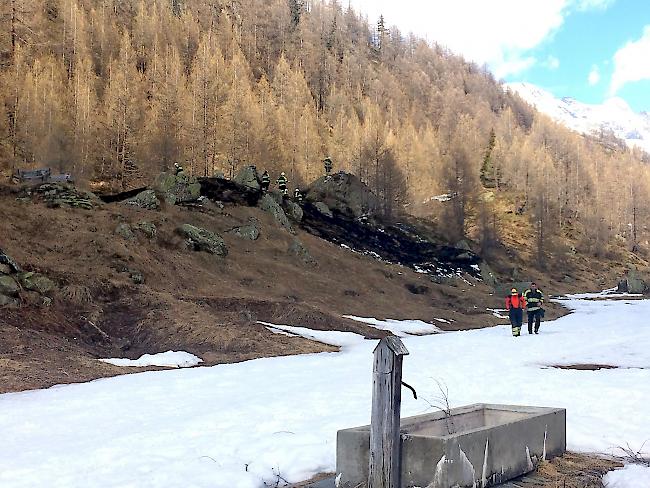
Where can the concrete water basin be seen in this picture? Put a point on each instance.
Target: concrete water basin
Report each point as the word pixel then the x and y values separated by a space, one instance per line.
pixel 474 446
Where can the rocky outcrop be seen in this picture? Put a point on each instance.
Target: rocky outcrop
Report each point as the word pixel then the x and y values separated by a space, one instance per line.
pixel 268 204
pixel 298 249
pixel 487 275
pixel 125 232
pixel 146 199
pixel 199 239
pixel 36 282
pixel 250 231
pixel 292 210
pixel 177 188
pixel 344 193
pixel 8 286
pixel 248 177
pixel 9 262
pixel 632 283
pixel 58 195
pixel 324 209
pixel 148 229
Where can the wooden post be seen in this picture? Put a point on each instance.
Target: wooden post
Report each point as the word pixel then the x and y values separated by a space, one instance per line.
pixel 384 469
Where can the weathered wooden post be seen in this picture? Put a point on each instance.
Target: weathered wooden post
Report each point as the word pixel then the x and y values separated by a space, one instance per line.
pixel 384 469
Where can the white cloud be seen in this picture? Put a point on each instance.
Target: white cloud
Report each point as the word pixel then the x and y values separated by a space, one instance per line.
pixel 500 33
pixel 594 76
pixel 631 62
pixel 552 62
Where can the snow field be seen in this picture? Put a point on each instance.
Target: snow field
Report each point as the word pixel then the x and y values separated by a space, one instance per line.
pixel 239 425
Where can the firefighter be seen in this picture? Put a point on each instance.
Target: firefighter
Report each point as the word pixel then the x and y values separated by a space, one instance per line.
pixel 515 304
pixel 177 169
pixel 534 301
pixel 266 181
pixel 282 183
pixel 297 195
pixel 328 165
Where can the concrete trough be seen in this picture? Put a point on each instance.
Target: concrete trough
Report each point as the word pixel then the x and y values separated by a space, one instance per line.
pixel 476 446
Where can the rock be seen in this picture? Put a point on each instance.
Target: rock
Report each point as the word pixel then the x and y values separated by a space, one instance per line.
pixel 146 199
pixel 487 275
pixel 36 282
pixel 203 240
pixel 324 209
pixel 8 261
pixel 66 195
pixel 5 269
pixel 632 283
pixel 125 232
pixel 293 210
pixel 298 249
pixel 249 177
pixel 8 286
pixel 463 244
pixel 268 204
pixel 250 231
pixel 345 193
pixel 136 276
pixel 7 301
pixel 180 188
pixel 147 228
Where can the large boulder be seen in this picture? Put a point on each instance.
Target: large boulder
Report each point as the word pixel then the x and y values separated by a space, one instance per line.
pixel 344 193
pixel 487 275
pixel 298 249
pixel 36 282
pixel 179 188
pixel 632 283
pixel 8 261
pixel 248 177
pixel 293 210
pixel 323 209
pixel 8 286
pixel 146 199
pixel 250 231
pixel 124 231
pixel 147 228
pixel 268 204
pixel 7 301
pixel 200 239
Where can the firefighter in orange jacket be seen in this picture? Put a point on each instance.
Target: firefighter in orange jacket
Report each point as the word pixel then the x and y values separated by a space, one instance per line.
pixel 515 304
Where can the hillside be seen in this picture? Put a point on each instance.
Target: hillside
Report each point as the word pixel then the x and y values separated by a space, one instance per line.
pixel 115 92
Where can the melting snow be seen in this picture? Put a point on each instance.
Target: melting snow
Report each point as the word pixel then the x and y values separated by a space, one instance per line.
pixel 172 359
pixel 400 328
pixel 241 425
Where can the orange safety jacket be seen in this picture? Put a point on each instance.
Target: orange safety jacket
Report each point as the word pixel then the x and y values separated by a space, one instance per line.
pixel 515 301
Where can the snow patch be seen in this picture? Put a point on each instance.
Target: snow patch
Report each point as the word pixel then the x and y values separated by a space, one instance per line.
pixel 171 359
pixel 331 337
pixel 630 476
pixel 400 328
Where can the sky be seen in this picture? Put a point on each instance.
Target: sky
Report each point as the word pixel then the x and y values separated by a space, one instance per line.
pixel 590 50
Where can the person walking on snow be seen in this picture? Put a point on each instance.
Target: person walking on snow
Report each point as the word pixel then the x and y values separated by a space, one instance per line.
pixel 515 304
pixel 534 301
pixel 282 183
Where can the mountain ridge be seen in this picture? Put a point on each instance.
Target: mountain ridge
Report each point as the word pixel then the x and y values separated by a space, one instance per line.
pixel 613 116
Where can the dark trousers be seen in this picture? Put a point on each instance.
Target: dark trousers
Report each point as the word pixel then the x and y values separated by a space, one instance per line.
pixel 534 316
pixel 516 319
pixel 265 185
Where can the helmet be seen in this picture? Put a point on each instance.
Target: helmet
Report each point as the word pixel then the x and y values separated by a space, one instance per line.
pixel 282 174
pixel 513 291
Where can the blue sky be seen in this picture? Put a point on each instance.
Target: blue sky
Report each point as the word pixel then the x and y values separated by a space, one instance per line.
pixel 590 50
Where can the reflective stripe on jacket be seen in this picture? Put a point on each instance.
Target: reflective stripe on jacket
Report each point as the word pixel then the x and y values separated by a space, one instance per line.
pixel 535 299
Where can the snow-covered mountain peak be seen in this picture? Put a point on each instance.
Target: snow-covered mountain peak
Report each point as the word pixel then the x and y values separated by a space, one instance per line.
pixel 614 115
